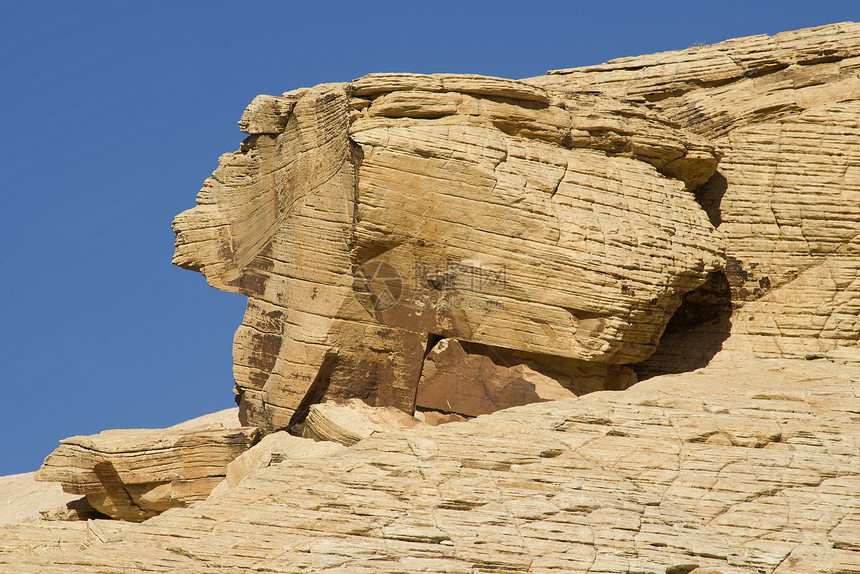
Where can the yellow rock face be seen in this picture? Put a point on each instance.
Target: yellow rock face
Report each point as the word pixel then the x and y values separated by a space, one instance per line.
pixel 366 220
pixel 514 241
pixel 785 113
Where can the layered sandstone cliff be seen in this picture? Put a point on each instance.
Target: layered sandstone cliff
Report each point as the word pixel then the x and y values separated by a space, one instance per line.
pixel 558 222
pixel 784 112
pixel 365 221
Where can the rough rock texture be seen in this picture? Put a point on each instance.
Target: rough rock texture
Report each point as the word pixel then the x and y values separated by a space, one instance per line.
pixel 29 541
pixel 365 220
pixel 740 468
pixel 433 417
pixel 134 474
pixel 347 422
pixel 226 419
pixel 785 113
pixel 463 243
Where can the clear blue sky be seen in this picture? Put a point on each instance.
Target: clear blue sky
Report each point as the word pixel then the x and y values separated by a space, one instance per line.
pixel 113 114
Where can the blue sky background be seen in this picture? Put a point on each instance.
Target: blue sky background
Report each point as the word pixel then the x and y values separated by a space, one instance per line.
pixel 113 114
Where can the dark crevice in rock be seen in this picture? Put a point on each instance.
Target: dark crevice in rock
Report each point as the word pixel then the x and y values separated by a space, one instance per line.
pixel 314 394
pixel 710 194
pixel 709 301
pixel 696 331
pixel 432 340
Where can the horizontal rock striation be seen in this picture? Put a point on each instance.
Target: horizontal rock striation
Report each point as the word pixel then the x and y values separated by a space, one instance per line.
pixel 785 113
pixel 348 422
pixel 134 474
pixel 452 245
pixel 366 220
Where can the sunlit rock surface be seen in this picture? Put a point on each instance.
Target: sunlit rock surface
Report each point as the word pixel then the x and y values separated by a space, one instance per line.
pixel 461 244
pixel 366 220
pixel 743 468
pixel 785 113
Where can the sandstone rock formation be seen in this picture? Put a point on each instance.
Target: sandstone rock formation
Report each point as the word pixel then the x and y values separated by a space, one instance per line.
pixel 471 379
pixel 461 244
pixel 274 448
pixel 134 474
pixel 348 422
pixel 21 543
pixel 224 419
pixel 553 216
pixel 738 468
pixel 366 220
pixel 785 113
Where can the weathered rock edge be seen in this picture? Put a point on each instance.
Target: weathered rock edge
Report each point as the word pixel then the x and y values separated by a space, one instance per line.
pixel 135 474
pixel 784 111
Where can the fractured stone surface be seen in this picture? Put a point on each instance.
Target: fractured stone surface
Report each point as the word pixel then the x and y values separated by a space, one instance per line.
pixel 744 468
pixel 350 421
pixel 784 111
pixel 471 380
pixel 464 243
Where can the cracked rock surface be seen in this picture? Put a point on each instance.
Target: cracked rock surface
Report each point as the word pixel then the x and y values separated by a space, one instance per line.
pixel 134 474
pixel 462 244
pixel 748 468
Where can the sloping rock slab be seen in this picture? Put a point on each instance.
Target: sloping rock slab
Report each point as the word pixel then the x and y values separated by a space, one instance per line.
pixel 275 448
pixel 743 468
pixel 22 497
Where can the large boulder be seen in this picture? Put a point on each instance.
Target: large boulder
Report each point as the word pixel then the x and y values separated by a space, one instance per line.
pixel 350 421
pixel 135 474
pixel 366 220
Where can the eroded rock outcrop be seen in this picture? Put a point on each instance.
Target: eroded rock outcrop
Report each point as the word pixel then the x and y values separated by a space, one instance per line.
pixel 472 379
pixel 275 448
pixel 460 244
pixel 785 113
pixel 350 421
pixel 366 220
pixel 134 474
